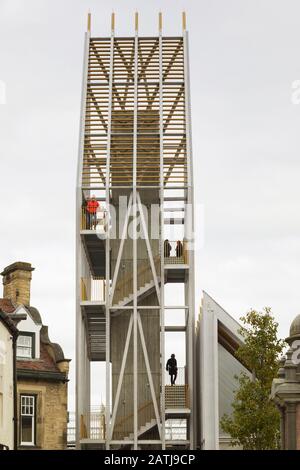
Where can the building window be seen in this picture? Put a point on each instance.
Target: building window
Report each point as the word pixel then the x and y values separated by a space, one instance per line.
pixel 25 345
pixel 27 420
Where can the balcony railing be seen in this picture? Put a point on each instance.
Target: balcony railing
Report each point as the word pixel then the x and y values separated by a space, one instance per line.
pixel 96 221
pixel 176 396
pixel 93 289
pixel 93 424
pixel 175 252
pixel 175 428
pixel 96 427
pixel 180 379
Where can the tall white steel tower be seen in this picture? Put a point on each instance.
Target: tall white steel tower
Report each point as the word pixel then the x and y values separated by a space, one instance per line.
pixel 135 238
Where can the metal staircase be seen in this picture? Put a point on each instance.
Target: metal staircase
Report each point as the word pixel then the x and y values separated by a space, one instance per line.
pixel 124 289
pixel 176 396
pixel 143 291
pixel 143 429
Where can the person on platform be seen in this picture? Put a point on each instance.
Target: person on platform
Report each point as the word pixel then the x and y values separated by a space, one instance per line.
pixel 171 367
pixel 179 249
pixel 92 208
pixel 167 249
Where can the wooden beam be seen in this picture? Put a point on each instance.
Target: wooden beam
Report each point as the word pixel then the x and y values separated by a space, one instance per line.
pixel 183 21
pixel 159 22
pixel 112 22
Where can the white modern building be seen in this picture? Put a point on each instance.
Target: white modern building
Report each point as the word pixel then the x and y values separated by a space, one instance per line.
pixel 217 340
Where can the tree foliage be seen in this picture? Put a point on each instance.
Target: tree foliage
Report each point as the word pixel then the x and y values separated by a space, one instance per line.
pixel 255 421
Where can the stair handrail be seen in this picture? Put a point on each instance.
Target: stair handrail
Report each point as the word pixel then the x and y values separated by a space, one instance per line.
pixel 143 268
pixel 123 420
pixel 142 408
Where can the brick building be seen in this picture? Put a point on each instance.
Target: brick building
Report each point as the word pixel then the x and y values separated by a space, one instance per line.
pixel 42 370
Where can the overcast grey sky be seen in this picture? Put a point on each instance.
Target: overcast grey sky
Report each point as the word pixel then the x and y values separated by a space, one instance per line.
pixel 244 57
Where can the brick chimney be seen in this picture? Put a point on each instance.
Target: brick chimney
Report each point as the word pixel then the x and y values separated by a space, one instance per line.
pixel 16 282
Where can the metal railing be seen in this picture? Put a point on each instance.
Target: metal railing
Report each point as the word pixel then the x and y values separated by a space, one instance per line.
pixel 175 252
pixel 96 221
pixel 180 379
pixel 124 286
pixel 124 427
pixel 93 424
pixel 96 427
pixel 176 396
pixel 93 289
pixel 175 428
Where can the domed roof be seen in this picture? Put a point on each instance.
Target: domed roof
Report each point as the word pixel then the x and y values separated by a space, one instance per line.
pixel 295 326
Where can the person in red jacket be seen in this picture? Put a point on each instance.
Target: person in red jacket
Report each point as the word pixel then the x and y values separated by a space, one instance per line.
pixel 92 207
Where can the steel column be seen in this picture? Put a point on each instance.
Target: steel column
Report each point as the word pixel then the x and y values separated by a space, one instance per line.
pixel 135 364
pixel 107 244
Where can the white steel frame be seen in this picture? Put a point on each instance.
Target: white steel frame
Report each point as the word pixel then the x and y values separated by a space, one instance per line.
pixel 135 327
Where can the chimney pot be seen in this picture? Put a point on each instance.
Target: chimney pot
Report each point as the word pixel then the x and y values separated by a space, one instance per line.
pixel 16 282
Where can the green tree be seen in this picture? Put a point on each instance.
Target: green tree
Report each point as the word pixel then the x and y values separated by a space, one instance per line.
pixel 255 420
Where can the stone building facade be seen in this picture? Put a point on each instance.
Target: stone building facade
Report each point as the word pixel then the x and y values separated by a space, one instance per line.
pixel 41 368
pixel 286 390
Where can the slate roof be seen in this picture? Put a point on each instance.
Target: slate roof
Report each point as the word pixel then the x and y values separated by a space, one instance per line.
pixel 44 363
pixel 7 306
pixel 4 318
pixel 50 353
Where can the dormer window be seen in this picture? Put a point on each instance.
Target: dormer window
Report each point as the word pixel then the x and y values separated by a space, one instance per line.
pixel 25 345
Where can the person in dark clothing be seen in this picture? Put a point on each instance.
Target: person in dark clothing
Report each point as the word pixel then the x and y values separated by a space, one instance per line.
pixel 179 249
pixel 167 249
pixel 171 367
pixel 87 214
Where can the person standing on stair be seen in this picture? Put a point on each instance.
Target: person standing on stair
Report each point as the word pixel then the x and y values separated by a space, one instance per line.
pixel 167 249
pixel 92 207
pixel 171 367
pixel 179 249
